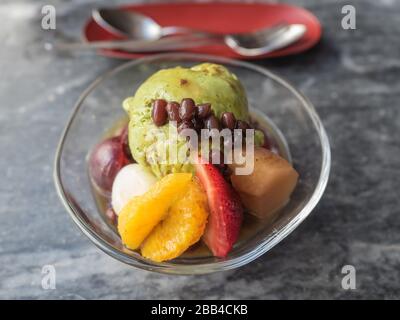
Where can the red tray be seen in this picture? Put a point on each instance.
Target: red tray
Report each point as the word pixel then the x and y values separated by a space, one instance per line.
pixel 220 18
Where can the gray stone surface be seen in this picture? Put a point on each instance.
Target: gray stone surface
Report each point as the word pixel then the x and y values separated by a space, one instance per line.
pixel 352 77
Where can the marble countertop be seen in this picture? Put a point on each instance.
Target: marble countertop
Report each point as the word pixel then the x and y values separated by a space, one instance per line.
pixel 352 77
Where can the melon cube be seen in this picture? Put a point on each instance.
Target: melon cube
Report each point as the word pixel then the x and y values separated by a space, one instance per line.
pixel 269 186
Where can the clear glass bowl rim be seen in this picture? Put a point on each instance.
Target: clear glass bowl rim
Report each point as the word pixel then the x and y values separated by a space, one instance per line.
pixel 222 265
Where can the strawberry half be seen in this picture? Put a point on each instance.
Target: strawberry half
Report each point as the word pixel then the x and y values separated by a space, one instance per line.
pixel 226 211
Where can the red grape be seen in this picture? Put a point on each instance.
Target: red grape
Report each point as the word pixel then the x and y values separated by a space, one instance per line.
pixel 107 158
pixel 111 215
pixel 125 142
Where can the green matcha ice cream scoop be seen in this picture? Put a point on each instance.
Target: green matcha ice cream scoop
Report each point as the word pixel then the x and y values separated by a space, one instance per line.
pixel 204 83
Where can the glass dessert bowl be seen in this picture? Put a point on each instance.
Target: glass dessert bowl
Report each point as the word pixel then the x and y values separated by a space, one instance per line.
pixel 278 109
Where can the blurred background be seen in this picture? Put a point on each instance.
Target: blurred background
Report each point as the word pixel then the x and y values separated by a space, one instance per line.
pixel 352 78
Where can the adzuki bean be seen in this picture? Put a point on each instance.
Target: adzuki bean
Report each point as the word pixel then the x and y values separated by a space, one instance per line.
pixel 173 111
pixel 228 120
pixel 204 110
pixel 212 123
pixel 240 124
pixel 159 112
pixel 187 111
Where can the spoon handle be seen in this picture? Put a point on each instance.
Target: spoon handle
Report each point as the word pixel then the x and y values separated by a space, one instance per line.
pixel 164 44
pixel 174 30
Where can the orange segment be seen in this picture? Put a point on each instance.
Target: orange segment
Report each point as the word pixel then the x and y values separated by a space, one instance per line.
pixel 183 226
pixel 143 213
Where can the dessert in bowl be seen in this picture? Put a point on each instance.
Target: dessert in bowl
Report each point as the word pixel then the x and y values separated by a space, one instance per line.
pixel 168 169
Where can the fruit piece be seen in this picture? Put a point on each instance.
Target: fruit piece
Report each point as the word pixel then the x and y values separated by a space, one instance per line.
pixel 132 180
pixel 262 207
pixel 124 139
pixel 269 186
pixel 105 161
pixel 141 214
pixel 183 226
pixel 111 215
pixel 226 212
pixel 216 157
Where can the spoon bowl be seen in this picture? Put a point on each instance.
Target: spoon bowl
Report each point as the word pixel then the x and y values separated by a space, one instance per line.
pixel 127 24
pixel 265 40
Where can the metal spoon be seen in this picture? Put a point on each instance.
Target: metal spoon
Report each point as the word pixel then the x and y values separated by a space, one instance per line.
pixel 137 26
pixel 131 45
pixel 133 25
